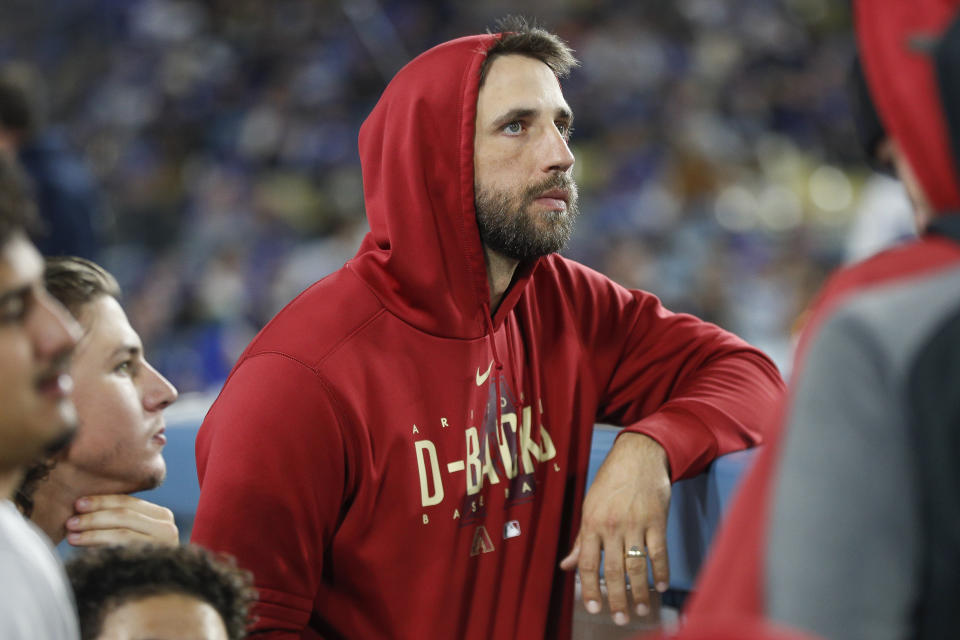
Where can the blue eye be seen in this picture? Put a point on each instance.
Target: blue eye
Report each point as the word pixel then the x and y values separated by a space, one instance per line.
pixel 514 128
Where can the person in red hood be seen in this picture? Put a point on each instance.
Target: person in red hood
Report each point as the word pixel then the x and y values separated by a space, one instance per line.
pixel 849 524
pixel 402 451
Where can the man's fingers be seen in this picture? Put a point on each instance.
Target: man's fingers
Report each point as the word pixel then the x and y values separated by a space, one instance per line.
pixel 161 531
pixel 636 565
pixel 570 562
pixel 87 504
pixel 107 537
pixel 589 565
pixel 657 552
pixel 613 573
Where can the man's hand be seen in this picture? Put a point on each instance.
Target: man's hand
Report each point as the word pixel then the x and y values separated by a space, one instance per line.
pixel 120 520
pixel 625 507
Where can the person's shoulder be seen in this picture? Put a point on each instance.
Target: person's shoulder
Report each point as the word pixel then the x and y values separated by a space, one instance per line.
pixel 574 280
pixel 891 300
pixel 903 264
pixel 319 319
pixel 563 272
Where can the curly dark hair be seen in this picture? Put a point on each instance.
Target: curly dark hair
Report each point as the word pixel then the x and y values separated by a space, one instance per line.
pixel 522 37
pixel 36 473
pixel 106 578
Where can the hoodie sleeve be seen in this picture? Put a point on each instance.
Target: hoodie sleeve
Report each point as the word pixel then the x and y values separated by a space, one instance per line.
pixel 696 389
pixel 271 465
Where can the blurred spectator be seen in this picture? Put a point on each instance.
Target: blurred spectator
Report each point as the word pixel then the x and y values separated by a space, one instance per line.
pixel 717 143
pixel 68 201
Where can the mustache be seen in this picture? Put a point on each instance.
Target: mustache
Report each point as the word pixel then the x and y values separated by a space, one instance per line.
pixel 556 181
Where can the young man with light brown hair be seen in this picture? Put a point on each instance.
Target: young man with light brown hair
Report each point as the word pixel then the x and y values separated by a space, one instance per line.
pixel 82 493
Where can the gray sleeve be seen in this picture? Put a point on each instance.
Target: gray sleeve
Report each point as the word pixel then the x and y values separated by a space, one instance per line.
pixel 842 556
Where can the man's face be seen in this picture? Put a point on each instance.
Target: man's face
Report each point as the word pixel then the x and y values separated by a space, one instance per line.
pixel 170 616
pixel 36 337
pixel 120 400
pixel 526 199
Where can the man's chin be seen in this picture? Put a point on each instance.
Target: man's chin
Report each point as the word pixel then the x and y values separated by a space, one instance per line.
pixel 60 440
pixel 152 481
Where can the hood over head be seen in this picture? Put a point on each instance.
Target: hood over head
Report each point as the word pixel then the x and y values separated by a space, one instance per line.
pixel 423 256
pixel 909 53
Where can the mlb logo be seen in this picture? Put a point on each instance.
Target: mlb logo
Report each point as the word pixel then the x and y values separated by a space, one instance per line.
pixel 511 529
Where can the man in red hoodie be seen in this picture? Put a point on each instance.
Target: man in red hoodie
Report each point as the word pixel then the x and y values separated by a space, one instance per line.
pixel 849 524
pixel 402 451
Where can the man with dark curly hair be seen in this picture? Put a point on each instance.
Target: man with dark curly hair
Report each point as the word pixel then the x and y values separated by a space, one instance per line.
pixel 159 592
pixel 37 336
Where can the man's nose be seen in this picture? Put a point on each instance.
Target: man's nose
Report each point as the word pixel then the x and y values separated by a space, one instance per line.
pixel 158 392
pixel 557 154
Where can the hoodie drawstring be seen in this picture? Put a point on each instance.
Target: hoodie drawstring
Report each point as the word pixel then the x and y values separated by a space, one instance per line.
pixel 533 366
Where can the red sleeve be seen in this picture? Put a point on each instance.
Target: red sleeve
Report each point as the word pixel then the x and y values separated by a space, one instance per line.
pixel 696 389
pixel 271 464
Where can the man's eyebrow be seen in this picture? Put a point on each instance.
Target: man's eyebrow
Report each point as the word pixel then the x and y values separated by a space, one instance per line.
pixel 522 113
pixel 126 349
pixel 514 114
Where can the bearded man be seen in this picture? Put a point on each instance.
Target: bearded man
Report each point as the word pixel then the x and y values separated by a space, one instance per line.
pixel 402 452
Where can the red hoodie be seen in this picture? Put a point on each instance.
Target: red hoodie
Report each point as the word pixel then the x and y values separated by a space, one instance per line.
pixel 737 580
pixel 354 460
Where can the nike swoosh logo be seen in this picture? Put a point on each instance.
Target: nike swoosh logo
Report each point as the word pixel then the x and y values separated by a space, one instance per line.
pixel 481 378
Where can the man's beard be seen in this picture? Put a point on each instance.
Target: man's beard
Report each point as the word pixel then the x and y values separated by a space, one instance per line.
pixel 508 228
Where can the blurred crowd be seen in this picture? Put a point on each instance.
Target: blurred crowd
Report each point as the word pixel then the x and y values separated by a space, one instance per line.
pixel 716 154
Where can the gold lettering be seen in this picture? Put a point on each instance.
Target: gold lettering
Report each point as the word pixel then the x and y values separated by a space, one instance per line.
pixel 473 506
pixel 526 488
pixel 474 472
pixel 531 449
pixel 526 445
pixel 503 402
pixel 488 469
pixel 556 467
pixel 443 423
pixel 426 519
pixel 509 458
pixel 549 451
pixel 426 498
pixel 456 513
pixel 415 430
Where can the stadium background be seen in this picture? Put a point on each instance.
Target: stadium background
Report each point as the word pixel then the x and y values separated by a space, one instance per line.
pixel 715 148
